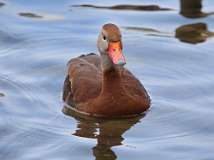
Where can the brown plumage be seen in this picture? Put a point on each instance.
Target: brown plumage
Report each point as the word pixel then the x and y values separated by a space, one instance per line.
pixel 95 86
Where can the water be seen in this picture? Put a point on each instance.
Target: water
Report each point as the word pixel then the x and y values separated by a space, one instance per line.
pixel 170 51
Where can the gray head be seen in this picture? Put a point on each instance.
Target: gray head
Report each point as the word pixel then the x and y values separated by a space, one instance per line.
pixel 109 44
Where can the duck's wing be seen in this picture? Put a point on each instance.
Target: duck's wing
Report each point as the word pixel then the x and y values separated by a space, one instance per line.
pixel 91 58
pixel 83 80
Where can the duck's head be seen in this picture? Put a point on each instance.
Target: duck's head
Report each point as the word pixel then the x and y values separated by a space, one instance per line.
pixel 109 44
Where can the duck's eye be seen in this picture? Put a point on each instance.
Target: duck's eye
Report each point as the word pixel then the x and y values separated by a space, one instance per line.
pixel 104 37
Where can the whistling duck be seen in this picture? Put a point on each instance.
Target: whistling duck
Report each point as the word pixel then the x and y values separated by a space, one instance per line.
pixel 100 85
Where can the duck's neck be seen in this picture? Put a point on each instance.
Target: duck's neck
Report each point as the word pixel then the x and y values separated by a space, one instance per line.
pixel 111 77
pixel 107 64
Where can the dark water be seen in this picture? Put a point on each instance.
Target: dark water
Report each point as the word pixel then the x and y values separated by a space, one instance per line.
pixel 168 46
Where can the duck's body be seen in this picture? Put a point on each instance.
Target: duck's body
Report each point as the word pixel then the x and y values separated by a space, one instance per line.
pixel 96 86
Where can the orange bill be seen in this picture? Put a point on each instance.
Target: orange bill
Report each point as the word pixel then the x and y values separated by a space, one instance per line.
pixel 115 53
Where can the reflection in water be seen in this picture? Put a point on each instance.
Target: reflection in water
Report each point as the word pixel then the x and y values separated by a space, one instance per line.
pixel 2 94
pixel 30 15
pixel 149 31
pixel 126 7
pixel 193 33
pixel 192 9
pixel 2 4
pixel 41 16
pixel 108 132
pixel 143 29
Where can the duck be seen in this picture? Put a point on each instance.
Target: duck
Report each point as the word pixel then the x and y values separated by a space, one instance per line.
pixel 100 85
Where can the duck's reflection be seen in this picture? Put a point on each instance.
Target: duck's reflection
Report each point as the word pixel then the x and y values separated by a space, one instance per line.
pixel 190 33
pixel 193 33
pixel 107 132
pixel 197 32
pixel 192 9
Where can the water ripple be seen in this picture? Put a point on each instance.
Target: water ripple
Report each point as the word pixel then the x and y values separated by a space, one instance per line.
pixel 177 74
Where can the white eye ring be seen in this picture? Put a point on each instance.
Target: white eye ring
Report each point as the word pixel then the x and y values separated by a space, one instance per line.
pixel 104 37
